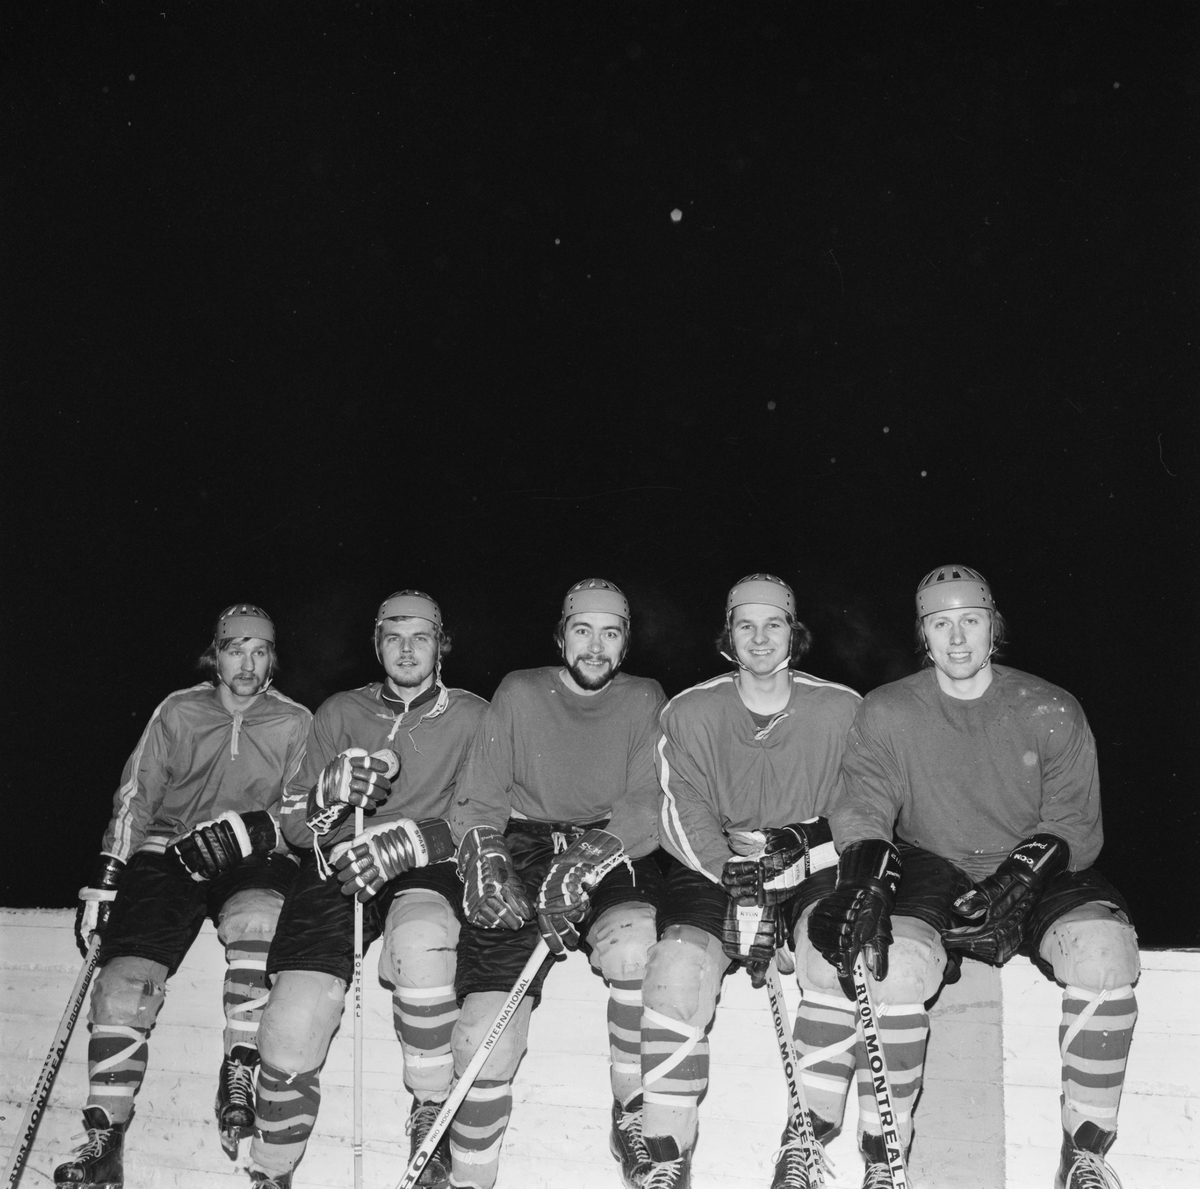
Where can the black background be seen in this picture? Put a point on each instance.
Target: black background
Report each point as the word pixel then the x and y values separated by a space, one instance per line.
pixel 306 303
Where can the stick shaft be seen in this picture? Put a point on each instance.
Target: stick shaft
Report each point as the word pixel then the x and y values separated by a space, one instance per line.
pixel 467 1080
pixel 797 1103
pixel 881 1082
pixel 58 1047
pixel 358 1024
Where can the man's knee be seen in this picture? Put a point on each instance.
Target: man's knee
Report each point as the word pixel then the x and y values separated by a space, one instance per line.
pixel 1092 947
pixel 300 1019
pixel 479 1011
pixel 916 962
pixel 620 940
pixel 129 991
pixel 250 913
pixel 419 941
pixel 683 975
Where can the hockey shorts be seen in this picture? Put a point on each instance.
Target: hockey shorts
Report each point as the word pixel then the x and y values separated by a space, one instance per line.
pixel 492 959
pixel 159 907
pixel 316 927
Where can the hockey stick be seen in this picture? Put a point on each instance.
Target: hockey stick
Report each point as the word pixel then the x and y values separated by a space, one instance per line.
pixel 357 1141
pixel 881 1083
pixel 58 1047
pixel 797 1104
pixel 421 1156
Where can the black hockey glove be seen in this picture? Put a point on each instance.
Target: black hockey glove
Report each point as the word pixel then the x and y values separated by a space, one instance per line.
pixel 856 916
pixel 95 902
pixel 751 934
pixel 789 856
pixel 380 853
pixel 999 906
pixel 493 895
pixel 213 847
pixel 562 900
pixel 351 779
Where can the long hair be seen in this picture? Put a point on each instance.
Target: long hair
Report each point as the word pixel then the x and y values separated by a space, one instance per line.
pixel 207 661
pixel 801 641
pixel 999 636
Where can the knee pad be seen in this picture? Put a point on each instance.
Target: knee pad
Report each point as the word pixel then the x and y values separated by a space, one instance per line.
pixel 130 992
pixel 252 912
pixel 1092 947
pixel 812 971
pixel 683 975
pixel 621 939
pixel 916 963
pixel 300 1019
pixel 478 1013
pixel 419 941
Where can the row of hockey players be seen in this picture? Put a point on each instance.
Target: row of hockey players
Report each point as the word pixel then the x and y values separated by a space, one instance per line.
pixel 953 813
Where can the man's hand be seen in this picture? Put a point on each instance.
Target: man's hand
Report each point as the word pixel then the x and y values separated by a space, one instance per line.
pixel 215 846
pixel 751 934
pixel 779 859
pixel 493 895
pixel 856 916
pixel 380 853
pixel 352 779
pixel 999 905
pixel 95 902
pixel 563 897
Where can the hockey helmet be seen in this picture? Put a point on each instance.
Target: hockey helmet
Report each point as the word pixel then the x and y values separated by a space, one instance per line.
pixel 950 587
pixel 415 603
pixel 244 619
pixel 595 594
pixel 761 588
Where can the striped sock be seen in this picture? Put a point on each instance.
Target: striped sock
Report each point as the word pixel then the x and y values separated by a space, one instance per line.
pixel 825 1037
pixel 424 1018
pixel 1093 1038
pixel 117 1056
pixel 246 990
pixel 625 1037
pixel 286 1108
pixel 478 1131
pixel 904 1032
pixel 674 1075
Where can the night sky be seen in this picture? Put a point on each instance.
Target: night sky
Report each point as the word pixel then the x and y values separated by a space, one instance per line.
pixel 306 303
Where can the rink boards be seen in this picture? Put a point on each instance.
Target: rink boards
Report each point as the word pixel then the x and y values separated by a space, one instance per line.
pixel 988 1119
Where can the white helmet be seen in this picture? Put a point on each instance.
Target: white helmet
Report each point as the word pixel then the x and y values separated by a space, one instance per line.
pixel 409 603
pixel 595 594
pixel 241 620
pixel 761 588
pixel 950 587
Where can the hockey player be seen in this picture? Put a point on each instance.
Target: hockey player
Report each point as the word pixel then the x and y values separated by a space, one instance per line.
pixel 749 764
pixel 401 867
pixel 194 834
pixel 969 825
pixel 561 781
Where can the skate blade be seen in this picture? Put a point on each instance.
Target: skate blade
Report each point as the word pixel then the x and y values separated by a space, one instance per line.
pixel 231 1141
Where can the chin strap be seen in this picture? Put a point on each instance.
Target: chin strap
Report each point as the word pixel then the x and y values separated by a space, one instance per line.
pixel 779 668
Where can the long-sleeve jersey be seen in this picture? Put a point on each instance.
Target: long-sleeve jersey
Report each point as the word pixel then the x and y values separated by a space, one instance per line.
pixel 546 753
pixel 431 739
pixel 968 780
pixel 721 773
pixel 197 760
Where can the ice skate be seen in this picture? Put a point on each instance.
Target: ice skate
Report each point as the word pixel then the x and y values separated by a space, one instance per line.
pixel 1082 1165
pixel 235 1098
pixel 878 1173
pixel 669 1168
pixel 436 1173
pixel 266 1180
pixel 98 1162
pixel 625 1140
pixel 791 1166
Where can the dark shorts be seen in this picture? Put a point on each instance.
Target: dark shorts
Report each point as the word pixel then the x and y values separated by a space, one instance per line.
pixel 690 898
pixel 316 927
pixel 929 885
pixel 492 959
pixel 159 907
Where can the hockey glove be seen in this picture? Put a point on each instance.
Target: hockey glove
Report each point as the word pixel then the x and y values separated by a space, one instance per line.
pixel 95 902
pixel 855 916
pixel 351 779
pixel 380 853
pixel 213 847
pixel 493 895
pixel 563 897
pixel 999 906
pixel 750 936
pixel 780 860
